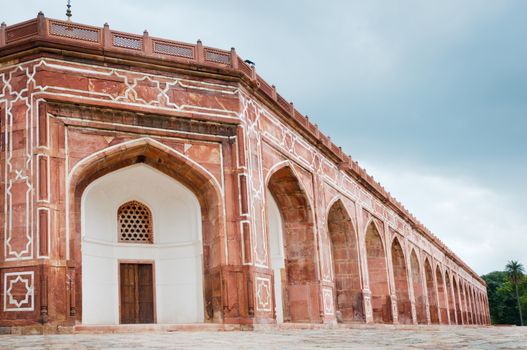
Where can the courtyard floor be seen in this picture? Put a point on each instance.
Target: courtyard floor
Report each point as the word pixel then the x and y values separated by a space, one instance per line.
pixel 374 337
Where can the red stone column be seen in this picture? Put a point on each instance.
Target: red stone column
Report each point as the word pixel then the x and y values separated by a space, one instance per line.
pixel 391 280
pixel 234 274
pixel 58 287
pixel 20 275
pixel 454 298
pixel 411 286
pixel 326 287
pixel 366 293
pixel 425 289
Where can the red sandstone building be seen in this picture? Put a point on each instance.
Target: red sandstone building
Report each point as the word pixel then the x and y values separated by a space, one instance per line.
pixel 152 181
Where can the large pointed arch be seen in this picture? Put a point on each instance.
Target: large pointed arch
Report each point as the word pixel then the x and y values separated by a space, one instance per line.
pixel 301 273
pixel 377 275
pixel 345 253
pixel 176 165
pixel 400 277
pixel 417 285
pixel 431 292
pixel 442 296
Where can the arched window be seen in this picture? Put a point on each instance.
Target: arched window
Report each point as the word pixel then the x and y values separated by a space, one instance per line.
pixel 135 223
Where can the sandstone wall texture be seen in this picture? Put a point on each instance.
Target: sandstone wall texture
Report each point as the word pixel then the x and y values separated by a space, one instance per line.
pixel 78 102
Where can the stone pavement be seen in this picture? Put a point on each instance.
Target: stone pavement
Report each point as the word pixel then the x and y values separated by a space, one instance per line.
pixel 374 337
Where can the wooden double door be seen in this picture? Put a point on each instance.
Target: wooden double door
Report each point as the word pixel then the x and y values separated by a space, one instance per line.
pixel 137 293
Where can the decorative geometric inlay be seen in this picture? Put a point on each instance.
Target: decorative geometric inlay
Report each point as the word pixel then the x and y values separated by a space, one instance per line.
pixel 263 294
pixel 19 291
pixel 327 294
pixel 135 223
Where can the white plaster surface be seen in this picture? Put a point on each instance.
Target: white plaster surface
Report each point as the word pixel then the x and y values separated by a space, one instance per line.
pixel 176 252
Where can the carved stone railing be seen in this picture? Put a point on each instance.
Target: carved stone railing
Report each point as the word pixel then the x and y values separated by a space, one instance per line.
pixel 135 46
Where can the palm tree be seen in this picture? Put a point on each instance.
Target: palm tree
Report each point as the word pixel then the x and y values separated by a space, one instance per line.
pixel 515 272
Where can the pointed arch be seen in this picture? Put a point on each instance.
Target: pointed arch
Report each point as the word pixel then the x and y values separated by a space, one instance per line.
pixel 344 249
pixel 470 304
pixel 400 276
pixel 479 307
pixel 473 304
pixel 431 292
pixel 377 275
pixel 487 308
pixel 450 298
pixel 417 284
pixel 190 174
pixel 484 308
pixel 300 251
pixel 457 298
pixel 464 305
pixel 476 305
pixel 442 296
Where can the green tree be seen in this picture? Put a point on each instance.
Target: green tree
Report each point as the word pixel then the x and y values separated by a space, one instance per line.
pixel 494 281
pixel 502 301
pixel 515 272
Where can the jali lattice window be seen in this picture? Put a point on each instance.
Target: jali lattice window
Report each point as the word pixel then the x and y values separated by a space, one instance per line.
pixel 135 223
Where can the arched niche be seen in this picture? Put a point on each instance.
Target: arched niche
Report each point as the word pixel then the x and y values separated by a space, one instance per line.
pixel 419 295
pixel 431 291
pixel 178 167
pixel 404 307
pixel 457 298
pixel 344 249
pixel 450 298
pixel 138 217
pixel 377 275
pixel 299 281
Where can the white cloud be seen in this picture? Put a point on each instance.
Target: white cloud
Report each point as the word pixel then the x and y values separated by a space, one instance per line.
pixel 483 227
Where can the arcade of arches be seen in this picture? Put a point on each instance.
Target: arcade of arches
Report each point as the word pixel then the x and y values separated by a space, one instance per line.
pixel 140 186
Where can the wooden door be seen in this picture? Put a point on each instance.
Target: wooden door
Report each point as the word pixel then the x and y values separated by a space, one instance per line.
pixel 137 293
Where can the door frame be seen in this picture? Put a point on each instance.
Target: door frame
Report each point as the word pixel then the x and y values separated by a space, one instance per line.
pixel 143 262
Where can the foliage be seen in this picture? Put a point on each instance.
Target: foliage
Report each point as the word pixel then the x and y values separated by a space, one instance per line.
pixel 502 297
pixel 515 272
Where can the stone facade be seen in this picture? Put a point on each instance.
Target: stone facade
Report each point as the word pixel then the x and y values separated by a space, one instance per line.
pixel 79 102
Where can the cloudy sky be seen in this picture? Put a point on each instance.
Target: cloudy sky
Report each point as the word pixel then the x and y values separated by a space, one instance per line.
pixel 429 96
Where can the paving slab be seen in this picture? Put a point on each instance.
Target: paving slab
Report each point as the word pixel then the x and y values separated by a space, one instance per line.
pixel 374 337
